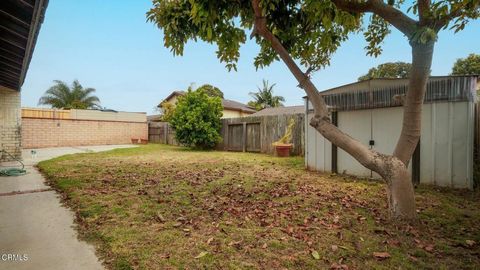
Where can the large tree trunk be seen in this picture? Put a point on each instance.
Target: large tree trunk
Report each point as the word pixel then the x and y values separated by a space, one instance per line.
pixel 401 198
pixel 393 168
pixel 412 112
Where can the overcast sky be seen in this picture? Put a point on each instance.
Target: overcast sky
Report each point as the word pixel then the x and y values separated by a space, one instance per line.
pixel 108 45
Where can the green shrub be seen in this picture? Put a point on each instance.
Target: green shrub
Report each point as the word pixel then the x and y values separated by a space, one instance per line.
pixel 196 120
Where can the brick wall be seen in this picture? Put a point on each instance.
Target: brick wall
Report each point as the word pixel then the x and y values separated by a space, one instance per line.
pixel 10 135
pixel 38 133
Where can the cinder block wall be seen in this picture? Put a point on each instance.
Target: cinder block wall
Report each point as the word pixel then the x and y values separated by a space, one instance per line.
pixel 39 133
pixel 10 121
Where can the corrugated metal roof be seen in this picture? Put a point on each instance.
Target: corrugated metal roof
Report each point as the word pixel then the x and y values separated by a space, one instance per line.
pixel 378 93
pixel 281 110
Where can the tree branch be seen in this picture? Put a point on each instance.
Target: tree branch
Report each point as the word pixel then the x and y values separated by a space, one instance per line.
pixel 260 28
pixel 423 11
pixel 392 15
pixel 321 122
pixel 443 21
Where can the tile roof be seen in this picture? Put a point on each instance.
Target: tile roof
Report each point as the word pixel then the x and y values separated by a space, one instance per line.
pixel 234 105
pixel 226 103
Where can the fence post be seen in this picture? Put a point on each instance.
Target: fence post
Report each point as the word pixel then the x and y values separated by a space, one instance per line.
pixel 244 137
pixel 225 135
pixel 165 130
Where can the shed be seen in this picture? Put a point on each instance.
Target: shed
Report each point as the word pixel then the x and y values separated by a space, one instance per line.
pixel 371 112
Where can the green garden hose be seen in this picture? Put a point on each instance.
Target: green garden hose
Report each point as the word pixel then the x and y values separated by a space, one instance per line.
pixel 12 171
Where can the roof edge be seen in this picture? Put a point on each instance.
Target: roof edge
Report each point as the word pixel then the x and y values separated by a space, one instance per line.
pixel 393 79
pixel 37 20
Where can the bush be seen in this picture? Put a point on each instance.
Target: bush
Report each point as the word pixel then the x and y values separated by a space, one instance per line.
pixel 196 120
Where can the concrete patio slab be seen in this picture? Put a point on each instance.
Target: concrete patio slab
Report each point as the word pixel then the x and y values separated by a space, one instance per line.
pixel 36 231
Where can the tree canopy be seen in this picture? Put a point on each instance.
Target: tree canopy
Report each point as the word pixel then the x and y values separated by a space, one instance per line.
pixel 211 90
pixel 62 96
pixel 388 70
pixel 467 66
pixel 310 31
pixel 264 97
pixel 226 24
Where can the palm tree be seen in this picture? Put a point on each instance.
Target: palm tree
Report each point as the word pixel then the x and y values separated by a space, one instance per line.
pixel 264 97
pixel 61 96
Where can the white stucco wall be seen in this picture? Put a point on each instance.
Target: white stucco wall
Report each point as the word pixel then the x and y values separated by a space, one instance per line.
pixel 446 144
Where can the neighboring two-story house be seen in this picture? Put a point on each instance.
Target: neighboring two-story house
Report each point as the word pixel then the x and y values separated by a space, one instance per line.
pixel 231 108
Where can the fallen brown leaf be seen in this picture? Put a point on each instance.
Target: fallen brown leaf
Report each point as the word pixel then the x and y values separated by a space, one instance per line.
pixel 470 243
pixel 381 255
pixel 209 240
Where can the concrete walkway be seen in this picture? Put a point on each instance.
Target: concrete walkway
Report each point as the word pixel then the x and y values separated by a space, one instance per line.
pixel 36 231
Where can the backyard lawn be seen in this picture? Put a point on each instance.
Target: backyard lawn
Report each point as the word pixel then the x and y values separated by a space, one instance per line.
pixel 164 207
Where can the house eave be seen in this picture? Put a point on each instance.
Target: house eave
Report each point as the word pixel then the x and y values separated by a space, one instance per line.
pixel 21 22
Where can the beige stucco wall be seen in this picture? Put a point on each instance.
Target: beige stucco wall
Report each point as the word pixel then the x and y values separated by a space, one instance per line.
pixel 173 100
pixel 233 114
pixel 10 121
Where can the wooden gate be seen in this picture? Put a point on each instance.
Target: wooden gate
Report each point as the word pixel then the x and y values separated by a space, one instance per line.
pixel 253 137
pixel 235 137
pixel 156 134
pixel 244 137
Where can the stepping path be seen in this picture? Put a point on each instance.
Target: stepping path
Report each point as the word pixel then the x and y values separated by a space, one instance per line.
pixel 36 230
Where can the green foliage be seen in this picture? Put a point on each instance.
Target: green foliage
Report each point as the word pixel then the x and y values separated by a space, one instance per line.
pixel 196 120
pixel 388 70
pixel 211 90
pixel 377 31
pixel 467 66
pixel 310 30
pixel 460 12
pixel 61 96
pixel 264 97
pixel 167 110
pixel 424 35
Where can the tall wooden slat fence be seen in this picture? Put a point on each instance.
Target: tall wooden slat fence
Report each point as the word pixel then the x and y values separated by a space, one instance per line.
pixel 161 132
pixel 258 133
pixel 247 134
pixel 476 139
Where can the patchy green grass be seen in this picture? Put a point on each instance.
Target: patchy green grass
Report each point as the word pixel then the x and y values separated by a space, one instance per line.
pixel 163 207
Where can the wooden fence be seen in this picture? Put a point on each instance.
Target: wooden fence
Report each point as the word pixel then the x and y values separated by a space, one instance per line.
pixel 161 132
pixel 258 133
pixel 476 139
pixel 247 134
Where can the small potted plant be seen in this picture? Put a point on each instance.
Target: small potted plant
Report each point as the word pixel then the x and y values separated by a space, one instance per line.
pixel 284 145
